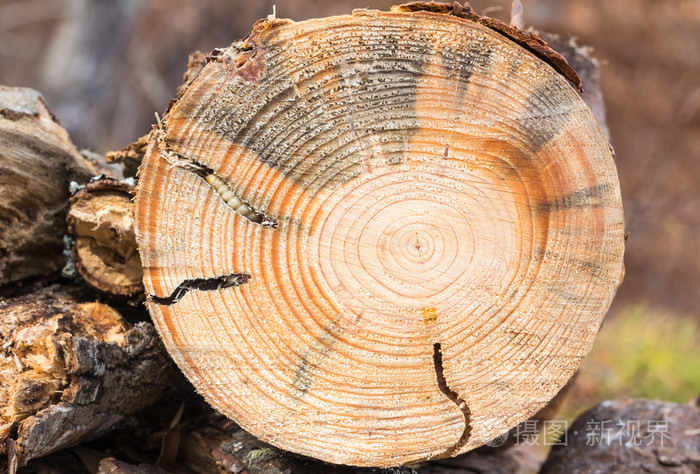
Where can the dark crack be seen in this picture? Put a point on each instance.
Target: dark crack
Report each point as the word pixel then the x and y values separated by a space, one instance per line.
pixel 455 398
pixel 201 284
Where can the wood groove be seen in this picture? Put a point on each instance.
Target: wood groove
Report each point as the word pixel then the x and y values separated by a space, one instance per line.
pixel 217 183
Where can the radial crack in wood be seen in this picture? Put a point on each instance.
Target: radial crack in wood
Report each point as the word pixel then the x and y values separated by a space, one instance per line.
pixel 434 184
pixel 454 396
pixel 201 284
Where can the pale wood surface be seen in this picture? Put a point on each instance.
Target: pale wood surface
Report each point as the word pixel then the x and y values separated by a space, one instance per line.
pixel 435 233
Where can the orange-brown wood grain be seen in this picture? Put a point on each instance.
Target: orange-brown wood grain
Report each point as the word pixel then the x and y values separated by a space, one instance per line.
pixel 448 234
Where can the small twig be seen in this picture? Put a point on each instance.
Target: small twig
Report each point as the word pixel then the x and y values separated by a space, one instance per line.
pixel 516 15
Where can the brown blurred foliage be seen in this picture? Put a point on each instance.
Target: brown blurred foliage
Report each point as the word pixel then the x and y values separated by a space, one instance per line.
pixel 105 67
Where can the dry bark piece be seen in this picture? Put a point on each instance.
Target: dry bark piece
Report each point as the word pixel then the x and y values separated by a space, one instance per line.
pixel 630 436
pixel 37 163
pixel 130 156
pixel 428 218
pixel 70 371
pixel 101 225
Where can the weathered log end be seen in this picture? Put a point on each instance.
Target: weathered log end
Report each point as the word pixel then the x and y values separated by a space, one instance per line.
pixel 103 247
pixel 380 238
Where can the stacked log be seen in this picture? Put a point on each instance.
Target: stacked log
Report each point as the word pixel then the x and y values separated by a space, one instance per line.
pixel 37 164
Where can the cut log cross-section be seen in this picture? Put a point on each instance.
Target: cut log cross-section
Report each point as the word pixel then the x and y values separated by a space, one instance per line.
pixel 379 238
pixel 103 248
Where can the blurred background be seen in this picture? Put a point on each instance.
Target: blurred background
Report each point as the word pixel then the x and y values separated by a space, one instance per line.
pixel 105 67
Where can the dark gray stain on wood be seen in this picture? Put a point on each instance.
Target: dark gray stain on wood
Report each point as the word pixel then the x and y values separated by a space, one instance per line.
pixel 542 119
pixel 599 195
pixel 591 267
pixel 313 358
pixel 527 40
pixel 312 141
pixel 460 65
pixel 303 376
pixel 201 284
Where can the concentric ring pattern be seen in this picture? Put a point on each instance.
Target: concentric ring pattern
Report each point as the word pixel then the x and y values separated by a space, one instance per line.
pixel 449 234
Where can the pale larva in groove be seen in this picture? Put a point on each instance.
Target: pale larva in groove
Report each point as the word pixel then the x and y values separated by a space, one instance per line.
pixel 231 199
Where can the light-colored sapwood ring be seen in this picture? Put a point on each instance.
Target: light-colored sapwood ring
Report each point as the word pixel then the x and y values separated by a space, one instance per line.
pixel 449 234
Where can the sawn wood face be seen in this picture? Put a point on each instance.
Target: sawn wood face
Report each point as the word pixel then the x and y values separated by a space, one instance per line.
pixel 444 234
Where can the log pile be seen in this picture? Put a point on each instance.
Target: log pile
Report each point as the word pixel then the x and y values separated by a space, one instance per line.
pixel 300 210
pixel 71 371
pixel 71 367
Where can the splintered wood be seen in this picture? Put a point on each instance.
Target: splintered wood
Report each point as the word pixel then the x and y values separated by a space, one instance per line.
pixel 444 233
